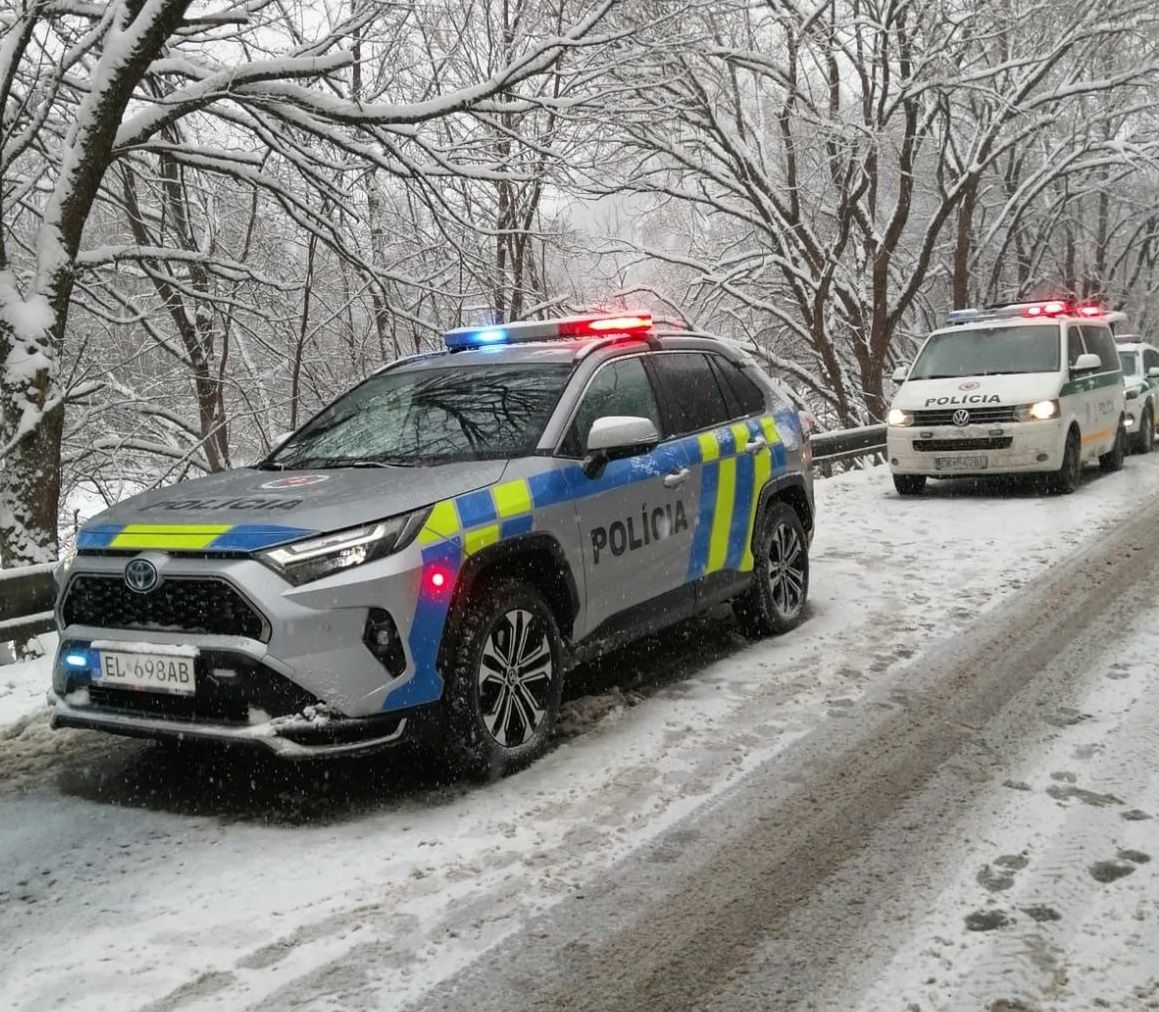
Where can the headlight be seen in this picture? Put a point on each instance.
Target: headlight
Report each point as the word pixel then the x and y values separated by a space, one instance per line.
pixel 304 561
pixel 1039 411
pixel 898 417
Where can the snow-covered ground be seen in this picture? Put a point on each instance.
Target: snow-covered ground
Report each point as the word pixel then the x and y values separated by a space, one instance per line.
pixel 129 876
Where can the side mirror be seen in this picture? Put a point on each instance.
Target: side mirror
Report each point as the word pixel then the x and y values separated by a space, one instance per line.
pixel 616 436
pixel 1087 362
pixel 1153 372
pixel 901 374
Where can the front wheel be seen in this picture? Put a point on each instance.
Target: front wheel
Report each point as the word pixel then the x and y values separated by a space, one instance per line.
pixel 909 484
pixel 775 601
pixel 1112 460
pixel 1066 478
pixel 504 681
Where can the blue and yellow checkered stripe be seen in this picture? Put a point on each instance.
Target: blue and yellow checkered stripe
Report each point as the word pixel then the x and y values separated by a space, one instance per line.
pixel 188 537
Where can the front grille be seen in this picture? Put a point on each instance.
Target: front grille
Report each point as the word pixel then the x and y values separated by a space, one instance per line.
pixel 978 416
pixel 956 445
pixel 178 604
pixel 219 697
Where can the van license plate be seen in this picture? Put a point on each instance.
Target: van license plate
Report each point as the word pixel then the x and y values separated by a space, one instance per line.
pixel 960 463
pixel 151 672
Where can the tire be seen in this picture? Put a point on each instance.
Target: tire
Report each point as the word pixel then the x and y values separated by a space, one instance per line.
pixel 775 602
pixel 1145 442
pixel 1066 479
pixel 500 713
pixel 1112 460
pixel 909 484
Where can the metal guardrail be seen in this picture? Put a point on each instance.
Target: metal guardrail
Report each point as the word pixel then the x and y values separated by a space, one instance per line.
pixel 26 599
pixel 27 595
pixel 831 448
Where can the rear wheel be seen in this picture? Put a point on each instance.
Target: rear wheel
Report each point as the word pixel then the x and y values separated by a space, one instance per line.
pixel 775 601
pixel 505 680
pixel 1066 479
pixel 909 484
pixel 1145 441
pixel 1112 460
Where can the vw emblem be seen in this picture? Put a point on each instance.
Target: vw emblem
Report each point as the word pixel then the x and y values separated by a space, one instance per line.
pixel 141 576
pixel 961 417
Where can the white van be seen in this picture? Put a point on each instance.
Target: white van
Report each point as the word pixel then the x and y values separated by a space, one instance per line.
pixel 1028 388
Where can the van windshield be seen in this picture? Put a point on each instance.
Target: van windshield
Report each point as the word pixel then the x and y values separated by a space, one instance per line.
pixel 990 351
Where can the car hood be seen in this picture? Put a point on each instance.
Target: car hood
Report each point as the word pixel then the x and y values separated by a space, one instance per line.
pixel 976 391
pixel 251 509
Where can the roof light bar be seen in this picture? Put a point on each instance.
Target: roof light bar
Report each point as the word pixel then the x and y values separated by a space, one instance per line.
pixel 1046 309
pixel 604 325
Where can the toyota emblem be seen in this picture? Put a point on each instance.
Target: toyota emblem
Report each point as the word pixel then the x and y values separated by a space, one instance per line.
pixel 961 417
pixel 140 576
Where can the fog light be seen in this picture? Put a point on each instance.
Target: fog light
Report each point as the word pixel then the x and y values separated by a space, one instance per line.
pixel 382 639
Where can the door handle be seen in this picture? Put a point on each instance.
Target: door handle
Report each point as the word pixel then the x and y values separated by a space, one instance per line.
pixel 676 478
pixel 755 444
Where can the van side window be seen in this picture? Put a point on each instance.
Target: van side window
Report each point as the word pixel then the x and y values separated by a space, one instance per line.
pixel 1099 341
pixel 1074 345
pixel 1150 360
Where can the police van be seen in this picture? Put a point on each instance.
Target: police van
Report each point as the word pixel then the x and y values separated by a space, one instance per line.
pixel 1028 388
pixel 1140 365
pixel 430 553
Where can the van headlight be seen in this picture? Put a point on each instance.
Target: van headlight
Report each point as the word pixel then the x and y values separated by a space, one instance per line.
pixel 898 417
pixel 1039 411
pixel 304 561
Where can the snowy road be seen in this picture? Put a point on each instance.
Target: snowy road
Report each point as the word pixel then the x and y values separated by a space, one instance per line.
pixel 961 729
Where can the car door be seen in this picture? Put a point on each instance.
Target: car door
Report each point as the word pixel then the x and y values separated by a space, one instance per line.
pixel 635 516
pixel 1105 386
pixel 1079 397
pixel 730 460
pixel 1151 361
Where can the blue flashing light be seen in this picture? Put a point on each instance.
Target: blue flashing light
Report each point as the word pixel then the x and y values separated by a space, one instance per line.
pixel 955 316
pixel 492 336
pixel 76 659
pixel 469 337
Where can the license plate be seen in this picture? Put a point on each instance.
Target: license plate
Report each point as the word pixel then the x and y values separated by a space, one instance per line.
pixel 960 463
pixel 150 672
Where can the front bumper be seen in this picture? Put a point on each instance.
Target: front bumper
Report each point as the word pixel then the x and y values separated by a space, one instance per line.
pixel 299 736
pixel 261 682
pixel 1010 448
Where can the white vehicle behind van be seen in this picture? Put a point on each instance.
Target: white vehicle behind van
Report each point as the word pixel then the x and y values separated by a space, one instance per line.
pixel 1030 388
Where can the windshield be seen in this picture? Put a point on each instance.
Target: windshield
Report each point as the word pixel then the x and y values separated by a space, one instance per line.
pixel 994 351
pixel 430 416
pixel 1129 360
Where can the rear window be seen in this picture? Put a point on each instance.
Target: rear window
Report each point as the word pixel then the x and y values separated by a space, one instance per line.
pixel 695 400
pixel 990 351
pixel 743 395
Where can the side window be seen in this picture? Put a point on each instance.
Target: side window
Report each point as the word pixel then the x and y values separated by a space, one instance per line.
pixel 1099 340
pixel 1074 345
pixel 1150 360
pixel 693 394
pixel 743 395
pixel 621 387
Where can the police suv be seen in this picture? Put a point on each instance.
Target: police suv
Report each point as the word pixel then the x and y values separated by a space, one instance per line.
pixel 431 551
pixel 1027 388
pixel 1140 364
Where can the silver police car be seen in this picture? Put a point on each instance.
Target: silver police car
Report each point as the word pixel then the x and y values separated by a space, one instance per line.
pixel 432 551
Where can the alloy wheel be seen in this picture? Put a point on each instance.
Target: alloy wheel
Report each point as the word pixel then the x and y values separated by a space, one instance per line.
pixel 515 677
pixel 787 573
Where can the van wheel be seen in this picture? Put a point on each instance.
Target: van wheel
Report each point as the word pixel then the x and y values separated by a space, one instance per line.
pixel 776 599
pixel 909 484
pixel 1112 460
pixel 504 682
pixel 1066 479
pixel 1145 441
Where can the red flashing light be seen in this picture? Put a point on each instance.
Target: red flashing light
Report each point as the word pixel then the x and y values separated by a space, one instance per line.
pixel 1054 307
pixel 437 578
pixel 1090 309
pixel 603 325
